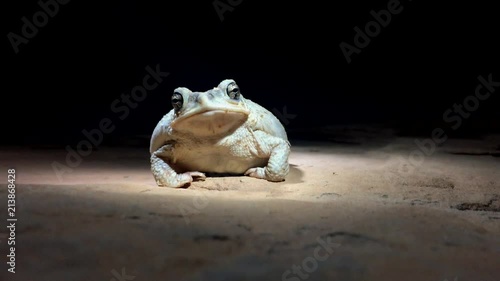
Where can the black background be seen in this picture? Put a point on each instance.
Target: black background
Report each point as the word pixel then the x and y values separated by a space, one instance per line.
pixel 281 53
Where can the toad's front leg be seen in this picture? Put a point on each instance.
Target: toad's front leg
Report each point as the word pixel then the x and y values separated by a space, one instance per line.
pixel 277 150
pixel 165 175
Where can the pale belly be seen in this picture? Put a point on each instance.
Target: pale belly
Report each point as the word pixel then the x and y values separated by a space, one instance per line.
pixel 234 154
pixel 216 160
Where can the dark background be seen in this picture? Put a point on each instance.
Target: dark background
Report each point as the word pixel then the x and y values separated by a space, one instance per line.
pixel 283 53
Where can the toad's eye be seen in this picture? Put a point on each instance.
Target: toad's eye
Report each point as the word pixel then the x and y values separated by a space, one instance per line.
pixel 233 91
pixel 177 101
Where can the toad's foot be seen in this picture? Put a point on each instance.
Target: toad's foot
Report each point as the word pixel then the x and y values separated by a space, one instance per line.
pixel 263 173
pixel 179 180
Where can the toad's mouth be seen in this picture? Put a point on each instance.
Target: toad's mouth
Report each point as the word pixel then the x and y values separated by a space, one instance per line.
pixel 211 121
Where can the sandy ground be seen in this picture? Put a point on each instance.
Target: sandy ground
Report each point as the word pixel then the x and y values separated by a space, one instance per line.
pixel 371 210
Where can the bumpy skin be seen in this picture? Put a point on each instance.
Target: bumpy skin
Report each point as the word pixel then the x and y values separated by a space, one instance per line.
pixel 220 132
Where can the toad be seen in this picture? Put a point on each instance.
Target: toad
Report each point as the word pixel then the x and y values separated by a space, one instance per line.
pixel 217 132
